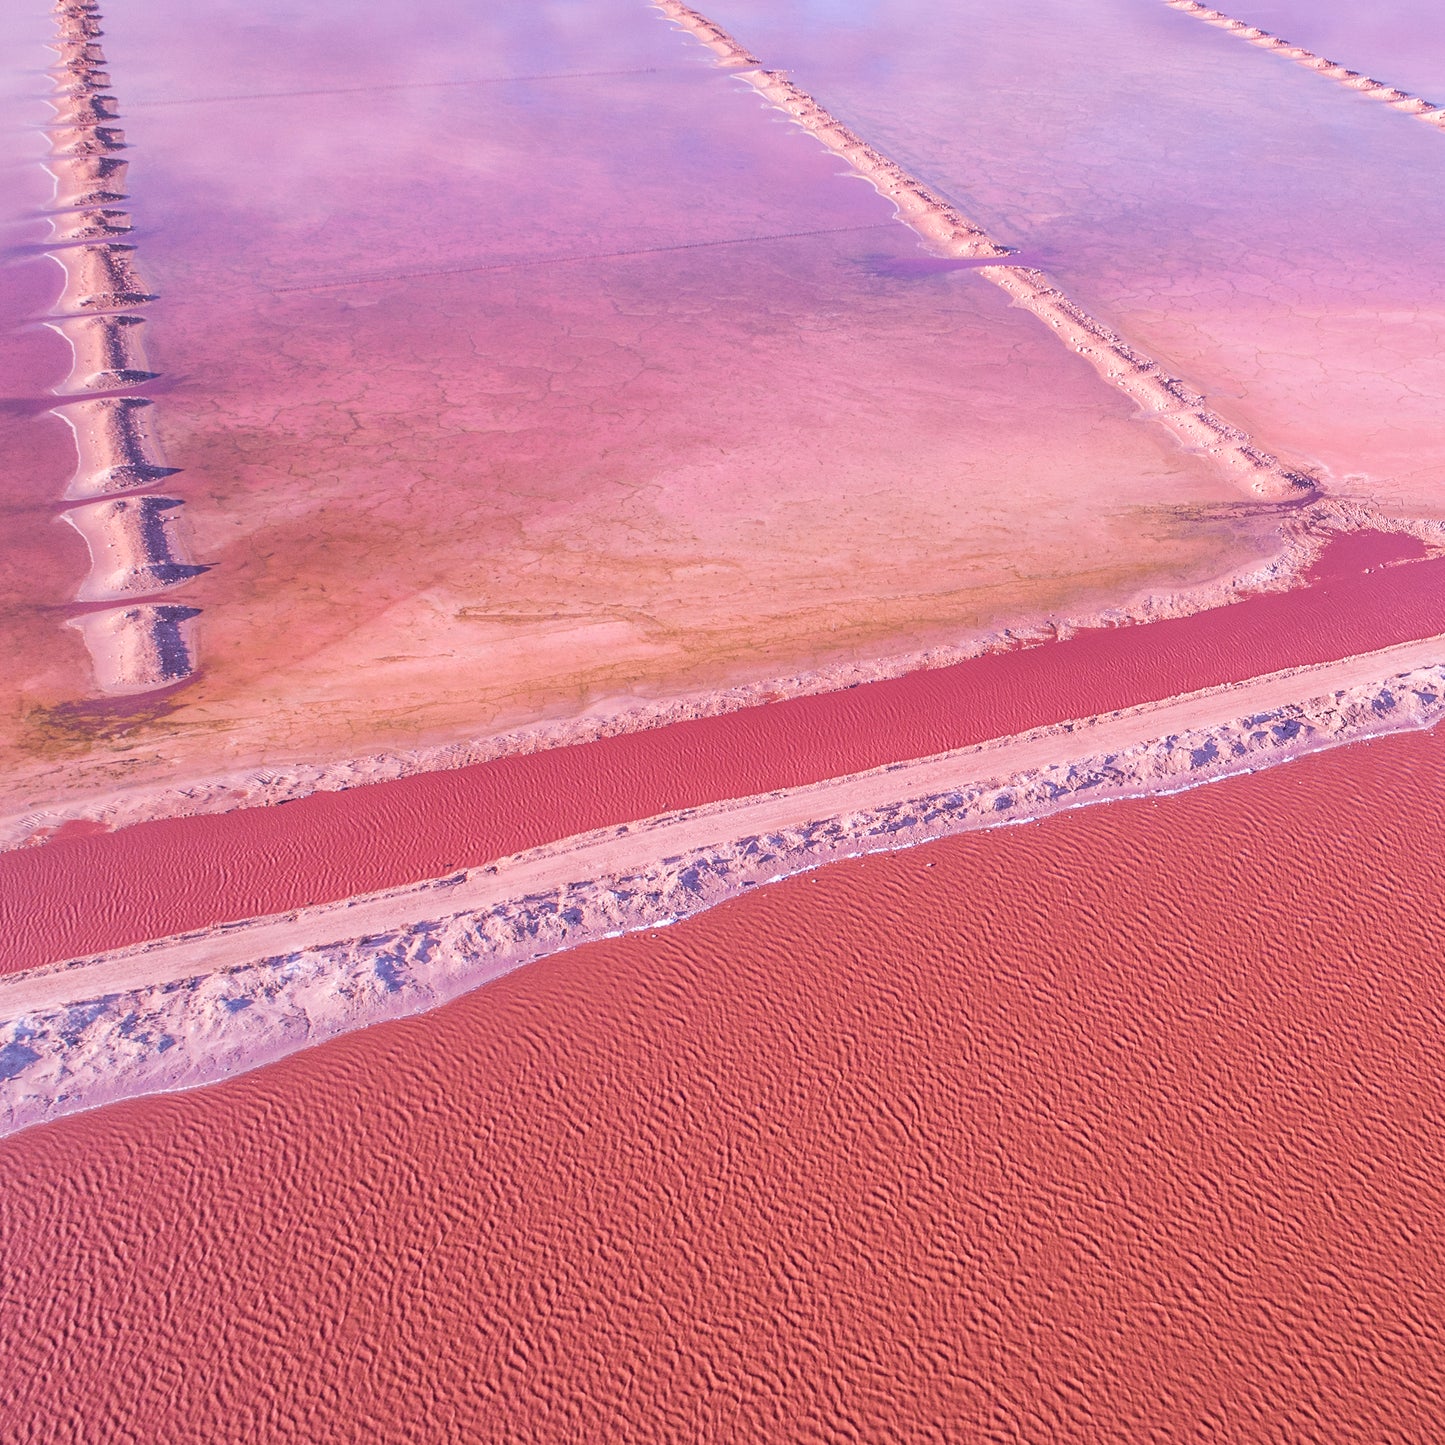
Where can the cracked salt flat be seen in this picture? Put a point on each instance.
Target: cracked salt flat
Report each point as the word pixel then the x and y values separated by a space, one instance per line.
pixel 471 497
pixel 1248 223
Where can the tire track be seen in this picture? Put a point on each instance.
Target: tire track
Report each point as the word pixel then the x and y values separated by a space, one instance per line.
pixel 577 258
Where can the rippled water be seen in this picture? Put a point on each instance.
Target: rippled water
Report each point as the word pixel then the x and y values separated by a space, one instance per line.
pixel 1124 1124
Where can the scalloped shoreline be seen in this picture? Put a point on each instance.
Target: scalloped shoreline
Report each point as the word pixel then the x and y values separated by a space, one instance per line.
pixel 138 549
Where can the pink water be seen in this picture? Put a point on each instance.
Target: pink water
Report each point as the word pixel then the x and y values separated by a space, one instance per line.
pixel 516 357
pixel 84 893
pixel 1270 235
pixel 1401 43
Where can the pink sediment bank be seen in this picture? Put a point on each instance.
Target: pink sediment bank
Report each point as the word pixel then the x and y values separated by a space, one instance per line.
pixel 84 894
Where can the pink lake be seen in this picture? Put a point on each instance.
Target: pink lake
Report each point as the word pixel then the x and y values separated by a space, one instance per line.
pixel 1268 234
pixel 520 362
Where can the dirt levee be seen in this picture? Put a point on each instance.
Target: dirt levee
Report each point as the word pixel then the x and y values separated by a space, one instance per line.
pixel 85 894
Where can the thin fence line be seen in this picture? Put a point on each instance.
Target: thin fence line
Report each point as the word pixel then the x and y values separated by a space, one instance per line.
pixel 369 280
pixel 405 85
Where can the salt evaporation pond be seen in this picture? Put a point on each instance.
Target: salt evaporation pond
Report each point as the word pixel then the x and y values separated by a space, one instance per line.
pixel 518 361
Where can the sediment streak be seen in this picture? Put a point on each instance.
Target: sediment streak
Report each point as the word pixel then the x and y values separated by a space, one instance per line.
pixel 1396 99
pixel 194 1009
pixel 1165 398
pixel 136 538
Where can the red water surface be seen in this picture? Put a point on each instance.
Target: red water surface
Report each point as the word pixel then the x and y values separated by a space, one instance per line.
pixel 78 895
pixel 1125 1126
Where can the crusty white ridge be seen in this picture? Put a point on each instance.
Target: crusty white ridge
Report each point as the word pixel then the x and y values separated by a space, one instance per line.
pixel 1306 530
pixel 1396 99
pixel 1165 398
pixel 137 543
pixel 194 1010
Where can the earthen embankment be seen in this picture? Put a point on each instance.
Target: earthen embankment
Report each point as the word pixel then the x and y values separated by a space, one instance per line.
pixel 138 548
